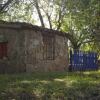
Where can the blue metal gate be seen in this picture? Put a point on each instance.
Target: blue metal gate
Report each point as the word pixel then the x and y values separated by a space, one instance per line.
pixel 80 60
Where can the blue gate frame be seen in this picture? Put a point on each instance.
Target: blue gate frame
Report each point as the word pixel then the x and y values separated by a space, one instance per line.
pixel 80 60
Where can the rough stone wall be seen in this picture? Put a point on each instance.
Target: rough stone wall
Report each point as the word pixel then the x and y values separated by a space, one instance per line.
pixel 25 52
pixel 33 48
pixel 14 62
pixel 34 53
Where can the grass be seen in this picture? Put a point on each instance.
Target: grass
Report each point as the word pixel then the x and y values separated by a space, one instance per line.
pixel 51 86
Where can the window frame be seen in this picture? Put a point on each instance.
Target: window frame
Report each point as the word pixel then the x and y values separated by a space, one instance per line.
pixel 48 47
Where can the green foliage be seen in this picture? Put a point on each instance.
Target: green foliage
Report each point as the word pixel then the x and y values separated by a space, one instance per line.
pixel 19 11
pixel 79 18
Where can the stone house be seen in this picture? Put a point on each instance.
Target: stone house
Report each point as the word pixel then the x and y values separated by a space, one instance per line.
pixel 28 48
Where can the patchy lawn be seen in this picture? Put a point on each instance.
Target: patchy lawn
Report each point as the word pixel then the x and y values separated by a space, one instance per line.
pixel 51 86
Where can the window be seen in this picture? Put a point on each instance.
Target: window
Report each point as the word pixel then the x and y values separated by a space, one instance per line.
pixel 49 47
pixel 3 50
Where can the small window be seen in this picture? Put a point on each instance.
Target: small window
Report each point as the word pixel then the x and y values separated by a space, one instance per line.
pixel 3 50
pixel 48 48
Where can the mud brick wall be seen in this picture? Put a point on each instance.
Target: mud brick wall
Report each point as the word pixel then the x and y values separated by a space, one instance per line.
pixel 32 48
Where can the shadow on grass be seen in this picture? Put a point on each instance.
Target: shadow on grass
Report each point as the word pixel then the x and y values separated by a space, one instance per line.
pixel 50 86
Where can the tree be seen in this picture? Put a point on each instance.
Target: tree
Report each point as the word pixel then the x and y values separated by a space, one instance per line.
pixel 5 5
pixel 72 17
pixel 39 12
pixel 80 21
pixel 78 18
pixel 19 11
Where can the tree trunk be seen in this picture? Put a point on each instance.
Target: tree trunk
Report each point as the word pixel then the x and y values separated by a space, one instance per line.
pixel 49 19
pixel 76 46
pixel 39 13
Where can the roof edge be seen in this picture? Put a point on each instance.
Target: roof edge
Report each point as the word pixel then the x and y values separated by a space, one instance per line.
pixel 25 26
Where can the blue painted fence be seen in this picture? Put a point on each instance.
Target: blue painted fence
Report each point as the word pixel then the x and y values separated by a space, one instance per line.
pixel 80 60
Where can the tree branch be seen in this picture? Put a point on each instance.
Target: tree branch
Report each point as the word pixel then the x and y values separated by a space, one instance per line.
pixel 39 13
pixel 4 6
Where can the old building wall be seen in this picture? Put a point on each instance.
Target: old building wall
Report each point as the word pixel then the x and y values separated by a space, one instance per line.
pixel 35 53
pixel 61 52
pixel 33 48
pixel 28 51
pixel 14 62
